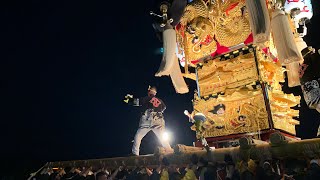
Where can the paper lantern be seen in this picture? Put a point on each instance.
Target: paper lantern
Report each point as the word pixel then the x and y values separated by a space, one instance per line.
pixel 259 20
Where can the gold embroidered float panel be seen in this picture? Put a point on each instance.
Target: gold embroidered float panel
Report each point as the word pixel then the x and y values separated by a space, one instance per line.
pixel 233 105
pixel 210 26
pixel 217 76
pixel 241 112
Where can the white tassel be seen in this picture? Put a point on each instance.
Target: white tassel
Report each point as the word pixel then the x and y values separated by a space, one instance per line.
pixel 293 74
pixel 177 79
pixel 283 38
pixel 259 20
pixel 301 44
pixel 169 52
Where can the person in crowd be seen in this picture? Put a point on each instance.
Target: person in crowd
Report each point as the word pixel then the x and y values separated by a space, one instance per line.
pixel 101 176
pixel 247 169
pixel 314 170
pixel 269 172
pixel 231 172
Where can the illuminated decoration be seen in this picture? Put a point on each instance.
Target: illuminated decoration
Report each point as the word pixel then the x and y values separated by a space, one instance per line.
pixel 232 84
pixel 241 51
pixel 166 136
pixel 242 111
pixel 218 75
pixel 211 27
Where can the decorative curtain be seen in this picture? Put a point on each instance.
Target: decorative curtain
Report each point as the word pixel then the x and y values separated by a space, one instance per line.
pixel 169 52
pixel 293 74
pixel 287 49
pixel 283 38
pixel 177 79
pixel 301 44
pixel 259 20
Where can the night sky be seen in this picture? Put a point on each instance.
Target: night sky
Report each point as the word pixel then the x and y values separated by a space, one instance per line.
pixel 65 69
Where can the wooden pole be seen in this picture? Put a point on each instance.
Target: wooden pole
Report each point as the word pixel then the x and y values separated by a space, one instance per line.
pixel 278 148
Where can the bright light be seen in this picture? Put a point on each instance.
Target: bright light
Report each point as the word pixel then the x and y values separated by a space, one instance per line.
pixel 166 136
pixel 186 112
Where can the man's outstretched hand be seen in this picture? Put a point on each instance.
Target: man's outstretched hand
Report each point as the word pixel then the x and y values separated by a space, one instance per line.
pixel 128 97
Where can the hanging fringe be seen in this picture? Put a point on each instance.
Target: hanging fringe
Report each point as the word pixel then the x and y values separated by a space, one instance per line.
pixel 293 68
pixel 293 74
pixel 177 79
pixel 301 44
pixel 259 20
pixel 169 52
pixel 283 38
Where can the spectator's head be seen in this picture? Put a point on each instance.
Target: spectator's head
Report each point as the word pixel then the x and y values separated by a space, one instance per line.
pixel 267 167
pixel 165 161
pixel 122 174
pixel 299 166
pixel 315 163
pixel 67 169
pixel 101 176
pixel 247 166
pixel 142 174
pixel 202 162
pixel 228 159
pixel 194 159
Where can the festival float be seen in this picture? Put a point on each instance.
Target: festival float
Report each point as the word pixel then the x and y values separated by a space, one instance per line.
pixel 238 52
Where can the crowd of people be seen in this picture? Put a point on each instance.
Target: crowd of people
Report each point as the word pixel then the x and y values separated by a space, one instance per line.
pixel 197 169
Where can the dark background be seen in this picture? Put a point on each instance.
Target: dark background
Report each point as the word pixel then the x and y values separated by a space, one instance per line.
pixel 65 68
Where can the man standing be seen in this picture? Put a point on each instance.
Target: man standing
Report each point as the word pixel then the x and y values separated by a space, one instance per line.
pixel 151 119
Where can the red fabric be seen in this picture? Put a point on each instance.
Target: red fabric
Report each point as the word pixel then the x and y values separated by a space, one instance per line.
pixel 179 27
pixel 249 40
pixel 221 49
pixel 231 7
